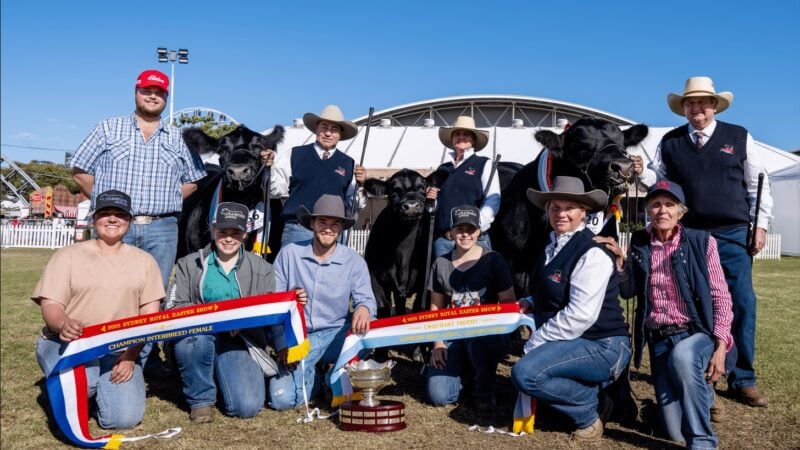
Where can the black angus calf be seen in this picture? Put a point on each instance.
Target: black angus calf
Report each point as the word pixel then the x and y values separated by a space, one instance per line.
pixel 238 178
pixel 398 241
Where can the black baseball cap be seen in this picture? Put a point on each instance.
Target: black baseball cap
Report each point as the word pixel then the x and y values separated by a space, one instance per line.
pixel 465 214
pixel 231 215
pixel 112 199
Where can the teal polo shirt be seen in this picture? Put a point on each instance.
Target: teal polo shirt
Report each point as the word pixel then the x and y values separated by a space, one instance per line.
pixel 218 285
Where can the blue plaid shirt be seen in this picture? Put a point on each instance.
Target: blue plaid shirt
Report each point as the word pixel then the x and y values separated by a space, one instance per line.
pixel 152 172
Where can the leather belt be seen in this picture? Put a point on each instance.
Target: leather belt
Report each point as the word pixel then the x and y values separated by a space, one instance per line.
pixel 669 330
pixel 146 220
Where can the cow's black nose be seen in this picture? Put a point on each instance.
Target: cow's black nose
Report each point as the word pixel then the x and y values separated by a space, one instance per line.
pixel 622 166
pixel 410 206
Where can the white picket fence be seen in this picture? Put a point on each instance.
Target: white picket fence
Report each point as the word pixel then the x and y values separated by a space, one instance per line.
pixel 46 236
pixel 36 236
pixel 772 250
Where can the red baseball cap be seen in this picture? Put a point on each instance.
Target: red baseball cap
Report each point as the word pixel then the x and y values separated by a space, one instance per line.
pixel 150 78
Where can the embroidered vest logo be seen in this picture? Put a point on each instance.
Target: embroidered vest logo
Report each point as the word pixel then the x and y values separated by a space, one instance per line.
pixel 470 171
pixel 340 171
pixel 727 149
pixel 555 276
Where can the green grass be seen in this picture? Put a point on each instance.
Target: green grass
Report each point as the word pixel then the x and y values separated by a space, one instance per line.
pixel 24 411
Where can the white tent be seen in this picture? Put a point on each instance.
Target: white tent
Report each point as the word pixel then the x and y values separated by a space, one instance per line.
pixel 785 185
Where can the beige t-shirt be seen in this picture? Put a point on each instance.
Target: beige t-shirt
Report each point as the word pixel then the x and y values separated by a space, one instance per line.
pixel 96 288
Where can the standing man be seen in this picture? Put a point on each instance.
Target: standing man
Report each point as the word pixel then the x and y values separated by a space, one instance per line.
pixel 333 276
pixel 146 158
pixel 717 166
pixel 310 171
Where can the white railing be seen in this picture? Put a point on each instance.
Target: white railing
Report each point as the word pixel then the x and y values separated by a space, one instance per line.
pixel 358 240
pixel 36 236
pixel 772 250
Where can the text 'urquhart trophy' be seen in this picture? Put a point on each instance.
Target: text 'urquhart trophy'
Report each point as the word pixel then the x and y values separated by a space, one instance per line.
pixel 368 377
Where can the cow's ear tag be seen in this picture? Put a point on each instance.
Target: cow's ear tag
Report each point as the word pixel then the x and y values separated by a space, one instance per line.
pixel 595 222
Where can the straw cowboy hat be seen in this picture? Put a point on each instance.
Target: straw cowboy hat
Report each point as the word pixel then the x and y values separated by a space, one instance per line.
pixel 468 124
pixel 331 113
pixel 699 87
pixel 569 188
pixel 329 206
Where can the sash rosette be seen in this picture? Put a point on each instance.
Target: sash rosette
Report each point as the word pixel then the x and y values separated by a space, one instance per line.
pixel 67 386
pixel 443 324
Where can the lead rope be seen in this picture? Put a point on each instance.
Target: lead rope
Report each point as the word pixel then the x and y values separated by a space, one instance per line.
pixel 311 414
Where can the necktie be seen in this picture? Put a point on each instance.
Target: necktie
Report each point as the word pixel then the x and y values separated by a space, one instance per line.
pixel 699 138
pixel 325 155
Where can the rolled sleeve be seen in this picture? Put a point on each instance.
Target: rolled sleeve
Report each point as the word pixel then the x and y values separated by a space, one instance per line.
pixel 720 296
pixel 362 294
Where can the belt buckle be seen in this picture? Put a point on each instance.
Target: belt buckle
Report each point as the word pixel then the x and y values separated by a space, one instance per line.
pixel 142 220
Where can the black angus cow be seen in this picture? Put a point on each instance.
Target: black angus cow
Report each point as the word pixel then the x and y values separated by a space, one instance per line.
pixel 592 150
pixel 398 241
pixel 239 172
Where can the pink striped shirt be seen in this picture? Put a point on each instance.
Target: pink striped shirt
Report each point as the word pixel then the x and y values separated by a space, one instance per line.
pixel 667 305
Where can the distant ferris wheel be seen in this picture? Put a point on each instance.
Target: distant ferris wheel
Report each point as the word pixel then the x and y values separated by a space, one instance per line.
pixel 189 117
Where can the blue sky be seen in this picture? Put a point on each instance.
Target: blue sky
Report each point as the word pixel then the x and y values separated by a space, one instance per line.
pixel 68 64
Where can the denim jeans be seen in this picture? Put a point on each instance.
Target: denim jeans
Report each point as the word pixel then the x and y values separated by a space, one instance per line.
pixel 159 238
pixel 443 246
pixel 736 264
pixel 204 357
pixel 678 364
pixel 286 388
pixel 119 405
pixel 294 232
pixel 477 357
pixel 568 375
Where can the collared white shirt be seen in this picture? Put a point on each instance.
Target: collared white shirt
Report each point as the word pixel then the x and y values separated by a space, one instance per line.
pixel 752 167
pixel 282 174
pixel 588 283
pixel 491 204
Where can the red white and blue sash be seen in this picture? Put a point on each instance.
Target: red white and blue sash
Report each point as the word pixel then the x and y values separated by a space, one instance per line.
pixel 443 324
pixel 67 385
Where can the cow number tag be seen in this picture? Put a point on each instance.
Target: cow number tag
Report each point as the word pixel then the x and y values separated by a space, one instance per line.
pixel 594 221
pixel 255 221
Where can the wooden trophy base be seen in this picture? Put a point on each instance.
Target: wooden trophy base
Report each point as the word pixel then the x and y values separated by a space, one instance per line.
pixel 388 416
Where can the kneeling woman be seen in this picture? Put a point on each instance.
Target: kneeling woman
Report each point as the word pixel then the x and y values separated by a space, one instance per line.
pixel 222 271
pixel 684 314
pixel 468 276
pixel 581 342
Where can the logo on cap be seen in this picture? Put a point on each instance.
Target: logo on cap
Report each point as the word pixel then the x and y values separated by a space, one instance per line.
pixel 231 213
pixel 664 184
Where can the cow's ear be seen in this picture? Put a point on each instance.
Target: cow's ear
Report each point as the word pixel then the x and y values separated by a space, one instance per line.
pixel 199 142
pixel 275 138
pixel 437 178
pixel 550 140
pixel 635 134
pixel 376 187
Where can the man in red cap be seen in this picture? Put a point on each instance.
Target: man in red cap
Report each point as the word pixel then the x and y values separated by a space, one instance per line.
pixel 146 158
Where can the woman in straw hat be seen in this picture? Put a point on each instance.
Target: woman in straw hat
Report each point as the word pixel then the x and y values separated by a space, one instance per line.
pixel 308 172
pixel 718 167
pixel 581 342
pixel 467 183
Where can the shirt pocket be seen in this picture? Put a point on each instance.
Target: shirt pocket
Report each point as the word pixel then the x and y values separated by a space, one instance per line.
pixel 118 153
pixel 168 161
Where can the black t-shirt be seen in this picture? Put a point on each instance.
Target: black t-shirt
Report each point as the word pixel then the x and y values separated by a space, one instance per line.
pixel 477 285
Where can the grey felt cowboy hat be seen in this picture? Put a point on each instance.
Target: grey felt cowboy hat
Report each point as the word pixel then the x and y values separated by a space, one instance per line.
pixel 569 188
pixel 331 113
pixel 329 206
pixel 699 87
pixel 468 124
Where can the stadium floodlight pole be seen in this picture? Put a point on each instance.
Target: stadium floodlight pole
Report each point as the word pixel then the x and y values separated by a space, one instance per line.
pixel 164 55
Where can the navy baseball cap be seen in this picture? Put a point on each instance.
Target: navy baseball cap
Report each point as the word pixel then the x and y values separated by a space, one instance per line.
pixel 666 186
pixel 112 199
pixel 231 215
pixel 465 215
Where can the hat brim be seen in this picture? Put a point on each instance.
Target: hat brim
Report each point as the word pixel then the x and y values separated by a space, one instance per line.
pixel 349 130
pixel 595 200
pixel 675 101
pixel 481 137
pixel 304 217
